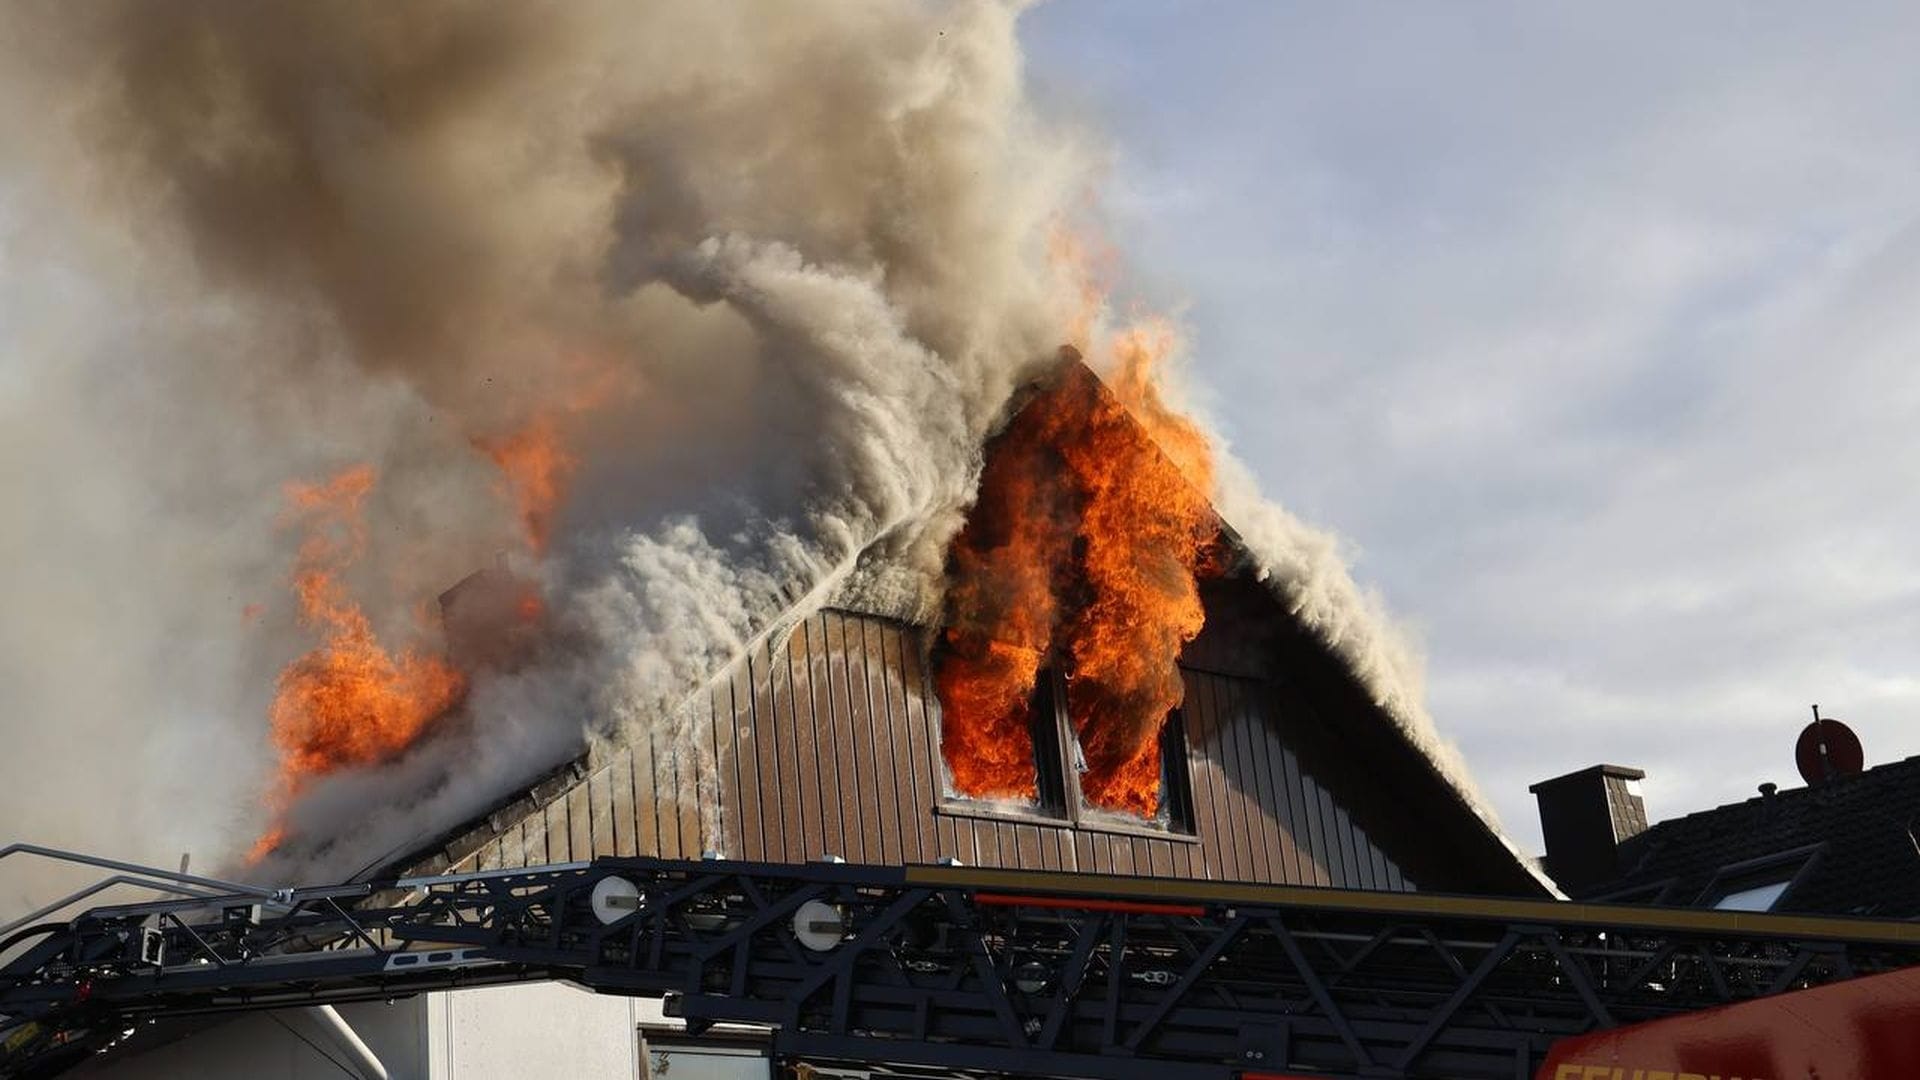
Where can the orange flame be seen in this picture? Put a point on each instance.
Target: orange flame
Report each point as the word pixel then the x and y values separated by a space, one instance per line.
pixel 535 467
pixel 348 701
pixel 1084 548
pixel 1001 610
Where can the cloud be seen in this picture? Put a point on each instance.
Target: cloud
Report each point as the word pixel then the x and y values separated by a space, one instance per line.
pixel 1591 330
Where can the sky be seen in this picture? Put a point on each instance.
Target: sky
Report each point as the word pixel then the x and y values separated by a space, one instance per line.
pixel 1589 329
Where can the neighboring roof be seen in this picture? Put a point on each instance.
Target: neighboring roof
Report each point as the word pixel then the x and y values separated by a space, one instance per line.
pixel 1848 847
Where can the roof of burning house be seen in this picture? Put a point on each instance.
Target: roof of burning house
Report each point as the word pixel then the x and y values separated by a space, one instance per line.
pixel 1371 742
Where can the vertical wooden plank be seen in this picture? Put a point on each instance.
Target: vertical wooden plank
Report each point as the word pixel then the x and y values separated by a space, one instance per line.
pixel 1047 846
pixel 1394 880
pixel 1068 851
pixel 1313 863
pixel 800 749
pixel 1124 849
pixel 1202 749
pixel 897 813
pixel 1159 858
pixel 666 793
pixel 646 795
pixel 1230 848
pixel 1256 823
pixel 1330 837
pixel 820 765
pixel 620 786
pixel 715 808
pixel 726 765
pixel 785 731
pixel 864 817
pixel 1083 852
pixel 690 768
pixel 1026 841
pixel 1353 850
pixel 559 844
pixel 923 718
pixel 696 783
pixel 533 838
pixel 600 802
pixel 913 814
pixel 579 821
pixel 512 851
pixel 1316 835
pixel 774 800
pixel 777 807
pixel 1196 724
pixel 746 769
pixel 1231 854
pixel 760 797
pixel 1233 804
pixel 1379 859
pixel 1311 845
pixel 853 793
pixel 986 841
pixel 488 857
pixel 1252 699
pixel 1286 797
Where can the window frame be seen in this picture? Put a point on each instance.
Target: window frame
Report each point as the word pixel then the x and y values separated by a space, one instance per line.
pixel 1789 867
pixel 1651 894
pixel 1066 806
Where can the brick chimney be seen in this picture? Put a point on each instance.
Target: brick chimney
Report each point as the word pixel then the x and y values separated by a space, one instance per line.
pixel 1585 816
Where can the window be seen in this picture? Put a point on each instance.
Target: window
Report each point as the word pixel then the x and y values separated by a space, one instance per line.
pixel 1174 812
pixel 1056 758
pixel 1759 884
pixel 1753 898
pixel 1049 764
pixel 674 1055
pixel 1176 782
pixel 1653 893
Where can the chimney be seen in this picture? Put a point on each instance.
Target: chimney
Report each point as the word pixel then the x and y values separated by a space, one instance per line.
pixel 1585 816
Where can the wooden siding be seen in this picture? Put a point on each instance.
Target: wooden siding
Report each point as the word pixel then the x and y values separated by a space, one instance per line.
pixel 827 743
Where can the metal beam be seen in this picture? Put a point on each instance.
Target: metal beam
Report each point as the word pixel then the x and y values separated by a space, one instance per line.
pixel 941 967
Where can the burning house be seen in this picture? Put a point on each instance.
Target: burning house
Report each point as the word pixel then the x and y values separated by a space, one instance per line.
pixel 1164 716
pixel 718 362
pixel 1161 715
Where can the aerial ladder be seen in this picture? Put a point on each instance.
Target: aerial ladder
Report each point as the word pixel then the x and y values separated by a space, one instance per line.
pixel 965 969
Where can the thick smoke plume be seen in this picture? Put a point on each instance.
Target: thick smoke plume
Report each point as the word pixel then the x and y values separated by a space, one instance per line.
pixel 682 307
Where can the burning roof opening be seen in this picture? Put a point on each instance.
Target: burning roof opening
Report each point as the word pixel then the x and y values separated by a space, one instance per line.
pixel 1083 551
pixel 350 700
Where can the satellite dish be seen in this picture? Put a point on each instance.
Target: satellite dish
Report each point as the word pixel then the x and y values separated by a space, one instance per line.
pixel 614 898
pixel 1828 750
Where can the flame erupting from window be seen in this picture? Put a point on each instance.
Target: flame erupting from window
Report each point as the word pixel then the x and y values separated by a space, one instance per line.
pixel 349 701
pixel 1084 549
